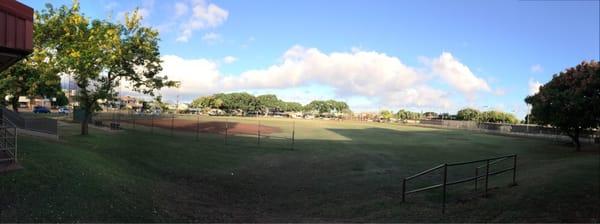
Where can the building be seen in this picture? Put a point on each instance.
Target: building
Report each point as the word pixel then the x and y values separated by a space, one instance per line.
pixel 16 32
pixel 16 42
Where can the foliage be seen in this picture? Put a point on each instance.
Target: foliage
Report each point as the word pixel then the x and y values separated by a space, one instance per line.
pixel 36 75
pixel 570 101
pixel 468 114
pixel 497 117
pixel 408 115
pixel 329 106
pixel 430 114
pixel 61 99
pixel 386 114
pixel 100 54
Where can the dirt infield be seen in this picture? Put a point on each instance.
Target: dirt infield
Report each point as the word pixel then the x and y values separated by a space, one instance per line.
pixel 207 127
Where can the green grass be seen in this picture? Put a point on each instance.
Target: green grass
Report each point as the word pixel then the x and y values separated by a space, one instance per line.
pixel 337 171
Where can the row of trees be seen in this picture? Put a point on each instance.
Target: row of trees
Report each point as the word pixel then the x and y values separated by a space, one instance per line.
pixel 401 115
pixel 98 54
pixel 470 114
pixel 265 104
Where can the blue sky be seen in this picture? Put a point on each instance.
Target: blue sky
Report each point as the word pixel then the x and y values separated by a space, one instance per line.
pixel 420 55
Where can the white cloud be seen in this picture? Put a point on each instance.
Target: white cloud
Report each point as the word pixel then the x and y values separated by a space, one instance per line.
pixel 197 76
pixel 534 86
pixel 537 68
pixel 204 15
pixel 229 59
pixel 212 38
pixel 180 9
pixel 381 78
pixel 458 75
pixel 356 73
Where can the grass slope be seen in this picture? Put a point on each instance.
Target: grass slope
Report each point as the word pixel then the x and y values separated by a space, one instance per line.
pixel 338 171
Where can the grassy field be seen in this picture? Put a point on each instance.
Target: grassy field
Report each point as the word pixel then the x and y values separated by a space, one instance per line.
pixel 337 171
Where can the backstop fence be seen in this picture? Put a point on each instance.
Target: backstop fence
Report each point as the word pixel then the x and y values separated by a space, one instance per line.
pixel 246 130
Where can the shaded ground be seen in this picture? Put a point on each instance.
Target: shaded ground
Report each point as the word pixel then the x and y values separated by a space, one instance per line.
pixel 217 127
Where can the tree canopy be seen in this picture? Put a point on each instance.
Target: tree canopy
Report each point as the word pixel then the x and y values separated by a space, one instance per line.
pixel 264 104
pixel 468 114
pixel 101 55
pixel 570 101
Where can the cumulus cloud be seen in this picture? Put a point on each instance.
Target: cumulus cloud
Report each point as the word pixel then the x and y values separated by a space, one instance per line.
pixel 203 15
pixel 534 86
pixel 381 78
pixel 537 68
pixel 229 59
pixel 458 75
pixel 197 76
pixel 212 38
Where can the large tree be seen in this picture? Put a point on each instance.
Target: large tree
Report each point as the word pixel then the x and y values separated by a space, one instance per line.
pixel 467 114
pixel 570 101
pixel 36 75
pixel 101 55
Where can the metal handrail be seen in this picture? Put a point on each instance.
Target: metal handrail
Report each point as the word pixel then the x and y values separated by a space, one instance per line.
pixel 445 183
pixel 425 172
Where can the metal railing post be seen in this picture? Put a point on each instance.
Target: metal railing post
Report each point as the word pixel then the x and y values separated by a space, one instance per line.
pixel 444 188
pixel 476 176
pixel 514 170
pixel 487 176
pixel 403 189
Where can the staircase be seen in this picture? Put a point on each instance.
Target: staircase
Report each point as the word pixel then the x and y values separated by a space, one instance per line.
pixel 8 145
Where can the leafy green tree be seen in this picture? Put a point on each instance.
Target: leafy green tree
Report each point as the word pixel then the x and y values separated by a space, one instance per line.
pixel 570 101
pixel 100 54
pixel 430 114
pixel 292 107
pixel 497 117
pixel 36 75
pixel 267 103
pixel 386 114
pixel 61 99
pixel 467 114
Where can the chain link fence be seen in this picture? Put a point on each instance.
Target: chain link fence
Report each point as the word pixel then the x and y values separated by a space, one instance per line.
pixel 259 131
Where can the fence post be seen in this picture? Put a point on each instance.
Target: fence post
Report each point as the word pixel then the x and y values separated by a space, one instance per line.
pixel 133 120
pixel 258 132
pixel 293 133
pixel 403 189
pixel 226 129
pixel 172 120
pixel 444 188
pixel 152 124
pixel 476 176
pixel 514 170
pixel 487 176
pixel 198 128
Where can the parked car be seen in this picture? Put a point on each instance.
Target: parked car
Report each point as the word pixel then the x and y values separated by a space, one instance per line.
pixel 64 110
pixel 41 110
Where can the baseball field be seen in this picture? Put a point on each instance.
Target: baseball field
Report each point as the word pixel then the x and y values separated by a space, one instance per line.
pixel 191 169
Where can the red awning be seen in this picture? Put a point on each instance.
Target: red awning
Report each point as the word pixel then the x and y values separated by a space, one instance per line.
pixel 16 32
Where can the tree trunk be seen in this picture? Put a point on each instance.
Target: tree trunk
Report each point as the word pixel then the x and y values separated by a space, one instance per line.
pixel 14 101
pixel 85 122
pixel 575 138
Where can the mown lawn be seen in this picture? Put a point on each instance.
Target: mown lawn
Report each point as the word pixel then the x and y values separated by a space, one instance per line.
pixel 337 171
